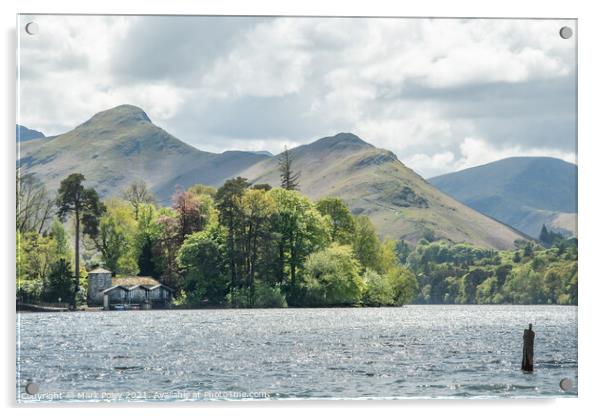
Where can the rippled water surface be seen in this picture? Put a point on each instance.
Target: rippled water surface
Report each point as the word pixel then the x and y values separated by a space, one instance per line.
pixel 409 352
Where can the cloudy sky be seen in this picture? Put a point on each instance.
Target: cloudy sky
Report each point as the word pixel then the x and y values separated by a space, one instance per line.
pixel 443 94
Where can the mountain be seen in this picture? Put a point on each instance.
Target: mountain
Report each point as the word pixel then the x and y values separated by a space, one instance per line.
pixel 374 182
pixel 23 134
pixel 120 145
pixel 262 152
pixel 524 192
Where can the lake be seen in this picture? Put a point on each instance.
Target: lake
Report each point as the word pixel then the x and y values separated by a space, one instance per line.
pixel 411 352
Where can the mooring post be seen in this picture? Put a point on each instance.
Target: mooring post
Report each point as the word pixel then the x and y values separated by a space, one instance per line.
pixel 528 342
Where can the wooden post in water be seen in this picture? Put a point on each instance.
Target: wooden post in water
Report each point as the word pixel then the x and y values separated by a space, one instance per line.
pixel 528 342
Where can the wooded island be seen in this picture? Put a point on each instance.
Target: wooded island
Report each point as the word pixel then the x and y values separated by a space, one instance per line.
pixel 248 245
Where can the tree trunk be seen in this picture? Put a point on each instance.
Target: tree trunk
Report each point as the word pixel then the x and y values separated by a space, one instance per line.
pixel 281 261
pixel 76 259
pixel 293 261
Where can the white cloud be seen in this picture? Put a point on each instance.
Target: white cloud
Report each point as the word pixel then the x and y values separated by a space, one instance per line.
pixel 423 88
pixel 475 152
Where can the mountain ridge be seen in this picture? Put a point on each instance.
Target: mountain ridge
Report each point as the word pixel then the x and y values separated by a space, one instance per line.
pixel 24 134
pixel 120 145
pixel 374 182
pixel 524 192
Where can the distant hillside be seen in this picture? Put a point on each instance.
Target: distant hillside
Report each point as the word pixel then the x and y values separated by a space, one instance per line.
pixel 23 134
pixel 373 182
pixel 524 192
pixel 120 145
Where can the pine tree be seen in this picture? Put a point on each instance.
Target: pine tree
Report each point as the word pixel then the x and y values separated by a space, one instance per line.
pixel 516 257
pixel 544 235
pixel 288 178
pixel 87 209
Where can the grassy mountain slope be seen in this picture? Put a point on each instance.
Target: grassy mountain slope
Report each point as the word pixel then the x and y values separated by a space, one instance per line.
pixel 524 192
pixel 120 145
pixel 373 182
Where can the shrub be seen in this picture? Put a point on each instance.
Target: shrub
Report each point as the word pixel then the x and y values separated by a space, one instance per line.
pixel 332 278
pixel 379 291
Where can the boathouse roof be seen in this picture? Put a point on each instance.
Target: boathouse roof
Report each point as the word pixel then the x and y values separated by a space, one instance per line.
pixel 112 288
pixel 163 286
pixel 100 270
pixel 134 281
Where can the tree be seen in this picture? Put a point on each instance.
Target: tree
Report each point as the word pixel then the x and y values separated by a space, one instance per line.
pixel 470 282
pixel 61 240
pixel 200 189
pixel 258 208
pixel 166 247
pixel 404 285
pixel 146 237
pixel 86 207
pixel 331 277
pixel 228 199
pixel 262 186
pixel 379 291
pixel 544 236
pixel 301 229
pixel 34 206
pixel 187 208
pixel 403 250
pixel 59 284
pixel 34 256
pixel 528 249
pixel 341 220
pixel 201 260
pixel 115 239
pixel 366 244
pixel 288 179
pixel 137 194
pixel 516 257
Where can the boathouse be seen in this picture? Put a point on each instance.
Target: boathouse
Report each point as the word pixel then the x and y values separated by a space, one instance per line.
pixel 126 292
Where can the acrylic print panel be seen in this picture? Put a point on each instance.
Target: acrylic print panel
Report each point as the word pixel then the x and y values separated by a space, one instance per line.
pixel 264 208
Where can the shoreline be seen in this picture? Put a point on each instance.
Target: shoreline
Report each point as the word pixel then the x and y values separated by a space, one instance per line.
pixel 32 308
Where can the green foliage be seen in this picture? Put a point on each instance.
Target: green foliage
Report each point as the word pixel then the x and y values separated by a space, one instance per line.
pixel 137 194
pixel 366 244
pixel 243 246
pixel 550 238
pixel 460 273
pixel 61 240
pixel 145 241
pixel 302 230
pixel 115 239
pixel 36 253
pixel 404 285
pixel 227 200
pixel 342 226
pixel 84 203
pixel 288 178
pixel 332 278
pixel 265 296
pixel 199 189
pixel 402 250
pixel 86 208
pixel 60 283
pixel 201 262
pixel 379 291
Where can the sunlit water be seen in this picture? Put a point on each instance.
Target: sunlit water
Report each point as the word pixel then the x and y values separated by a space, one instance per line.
pixel 409 352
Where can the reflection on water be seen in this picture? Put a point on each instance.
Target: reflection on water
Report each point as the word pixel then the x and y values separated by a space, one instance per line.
pixel 414 351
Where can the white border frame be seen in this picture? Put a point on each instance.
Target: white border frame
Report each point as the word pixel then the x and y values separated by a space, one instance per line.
pixel 590 200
